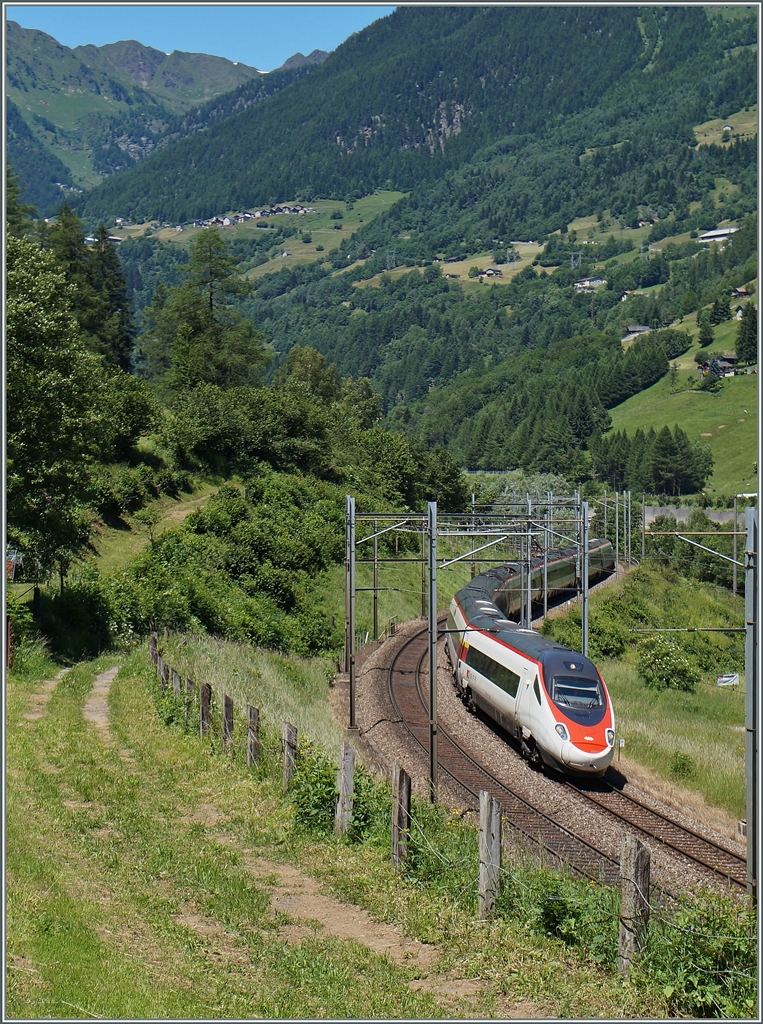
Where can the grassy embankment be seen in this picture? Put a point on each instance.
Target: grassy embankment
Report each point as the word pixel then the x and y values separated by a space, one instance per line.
pixel 144 870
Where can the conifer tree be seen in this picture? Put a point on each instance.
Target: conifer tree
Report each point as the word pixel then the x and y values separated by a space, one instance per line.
pixel 18 215
pixel 747 335
pixel 54 422
pixel 194 333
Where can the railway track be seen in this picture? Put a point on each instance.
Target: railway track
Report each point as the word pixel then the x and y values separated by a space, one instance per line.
pixel 406 692
pixel 410 699
pixel 654 825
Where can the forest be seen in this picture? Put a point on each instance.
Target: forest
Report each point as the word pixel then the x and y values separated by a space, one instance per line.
pixel 133 371
pixel 433 101
pixel 88 440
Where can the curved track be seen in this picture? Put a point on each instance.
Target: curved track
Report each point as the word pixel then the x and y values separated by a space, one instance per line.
pixel 653 824
pixel 408 697
pixel 405 690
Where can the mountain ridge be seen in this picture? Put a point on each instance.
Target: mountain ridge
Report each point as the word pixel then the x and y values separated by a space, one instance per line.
pixel 97 110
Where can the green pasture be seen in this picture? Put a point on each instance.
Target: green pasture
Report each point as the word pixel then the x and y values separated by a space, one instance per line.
pixel 743 122
pixel 727 421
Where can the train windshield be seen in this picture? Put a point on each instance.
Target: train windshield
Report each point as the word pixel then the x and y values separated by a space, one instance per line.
pixel 577 693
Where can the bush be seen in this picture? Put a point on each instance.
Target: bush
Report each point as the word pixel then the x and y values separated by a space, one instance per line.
pixel 703 958
pixel 607 638
pixel 663 665
pixel 579 913
pixel 682 766
pixel 313 789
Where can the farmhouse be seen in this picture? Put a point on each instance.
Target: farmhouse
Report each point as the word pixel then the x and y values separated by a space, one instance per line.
pixel 587 284
pixel 718 235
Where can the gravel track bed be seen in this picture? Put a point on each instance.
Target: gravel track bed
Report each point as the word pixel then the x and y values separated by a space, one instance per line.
pixel 385 741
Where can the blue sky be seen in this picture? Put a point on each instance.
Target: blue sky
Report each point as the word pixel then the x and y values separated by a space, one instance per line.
pixel 262 36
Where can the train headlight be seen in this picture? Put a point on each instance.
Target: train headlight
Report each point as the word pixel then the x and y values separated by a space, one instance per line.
pixel 562 731
pixel 610 736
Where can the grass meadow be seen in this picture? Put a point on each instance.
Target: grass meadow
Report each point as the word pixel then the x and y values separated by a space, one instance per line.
pixel 727 421
pixel 141 879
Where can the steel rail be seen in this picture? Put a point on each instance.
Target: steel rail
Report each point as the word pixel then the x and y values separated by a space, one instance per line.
pixel 679 838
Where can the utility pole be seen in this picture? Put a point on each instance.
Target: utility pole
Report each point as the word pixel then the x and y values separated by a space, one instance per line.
pixel 585 577
pixel 376 579
pixel 751 697
pixel 351 603
pixel 432 515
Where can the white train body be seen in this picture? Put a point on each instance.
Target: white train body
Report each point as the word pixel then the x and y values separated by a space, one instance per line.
pixel 552 699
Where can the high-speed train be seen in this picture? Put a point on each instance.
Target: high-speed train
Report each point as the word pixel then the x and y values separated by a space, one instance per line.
pixel 552 699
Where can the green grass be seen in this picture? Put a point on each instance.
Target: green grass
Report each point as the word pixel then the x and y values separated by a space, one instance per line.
pixel 744 123
pixel 106 868
pixel 125 901
pixel 707 727
pixel 726 421
pixel 284 688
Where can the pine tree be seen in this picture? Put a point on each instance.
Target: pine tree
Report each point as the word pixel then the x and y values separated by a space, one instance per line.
pixel 101 303
pixel 194 333
pixel 721 311
pixel 706 335
pixel 18 215
pixel 54 421
pixel 662 463
pixel 747 335
pixel 107 278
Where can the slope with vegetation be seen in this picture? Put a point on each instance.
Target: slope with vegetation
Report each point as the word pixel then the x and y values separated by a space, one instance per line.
pixel 88 440
pixel 79 115
pixel 454 360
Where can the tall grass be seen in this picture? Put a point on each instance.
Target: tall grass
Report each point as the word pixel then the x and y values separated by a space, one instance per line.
pixel 283 687
pixel 693 739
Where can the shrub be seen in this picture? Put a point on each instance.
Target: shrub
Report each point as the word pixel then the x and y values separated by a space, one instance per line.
pixel 313 788
pixel 607 638
pixel 682 766
pixel 663 666
pixel 703 958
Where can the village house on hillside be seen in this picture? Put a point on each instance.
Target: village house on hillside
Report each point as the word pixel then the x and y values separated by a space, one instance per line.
pixel 587 284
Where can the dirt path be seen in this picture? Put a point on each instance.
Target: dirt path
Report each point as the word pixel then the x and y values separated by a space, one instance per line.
pixel 38 701
pixel 296 896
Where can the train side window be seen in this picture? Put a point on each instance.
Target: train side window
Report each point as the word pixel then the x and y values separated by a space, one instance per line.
pixel 492 670
pixel 536 689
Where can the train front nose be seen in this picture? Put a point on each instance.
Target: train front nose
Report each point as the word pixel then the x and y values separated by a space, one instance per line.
pixel 586 757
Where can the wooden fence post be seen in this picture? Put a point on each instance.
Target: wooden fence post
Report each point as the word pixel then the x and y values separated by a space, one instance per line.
pixel 205 699
pixel 252 735
pixel 153 641
pixel 175 683
pixel 401 815
pixel 490 854
pixel 634 901
pixel 161 671
pixel 227 722
pixel 189 691
pixel 345 781
pixel 289 750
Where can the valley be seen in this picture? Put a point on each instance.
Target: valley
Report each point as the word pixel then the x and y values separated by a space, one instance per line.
pixel 522 258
